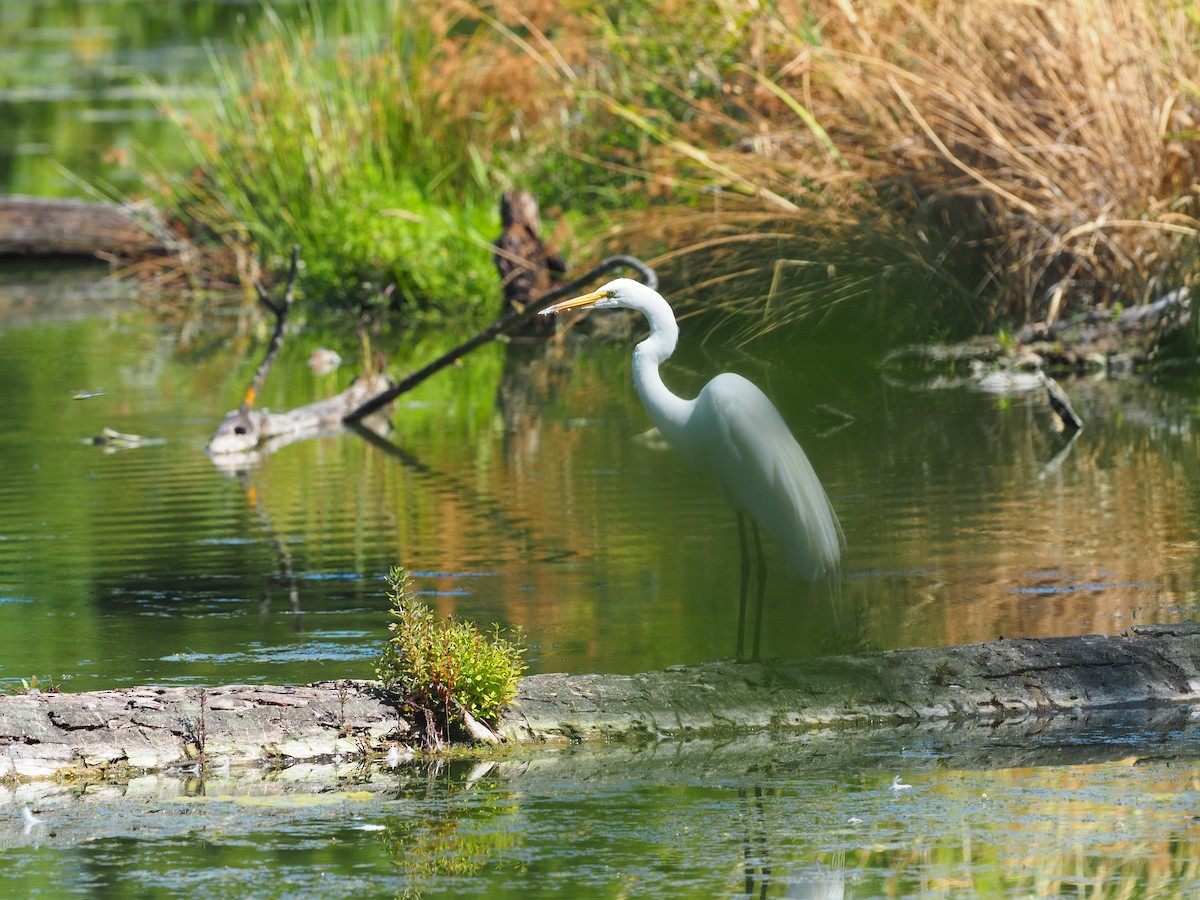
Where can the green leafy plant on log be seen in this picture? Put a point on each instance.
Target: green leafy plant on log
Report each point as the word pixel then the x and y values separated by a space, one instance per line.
pixel 446 669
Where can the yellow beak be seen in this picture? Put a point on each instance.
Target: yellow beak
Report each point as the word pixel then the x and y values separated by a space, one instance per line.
pixel 583 302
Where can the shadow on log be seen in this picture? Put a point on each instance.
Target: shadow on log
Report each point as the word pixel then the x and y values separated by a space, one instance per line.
pixel 978 688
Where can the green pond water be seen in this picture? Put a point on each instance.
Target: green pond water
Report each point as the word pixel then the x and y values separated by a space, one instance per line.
pixel 521 488
pixel 1096 809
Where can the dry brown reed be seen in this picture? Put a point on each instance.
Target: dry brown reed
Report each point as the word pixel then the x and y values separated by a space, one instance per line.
pixel 1030 159
pixel 946 165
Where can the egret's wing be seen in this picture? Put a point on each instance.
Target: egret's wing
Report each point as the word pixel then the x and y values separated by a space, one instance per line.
pixel 763 471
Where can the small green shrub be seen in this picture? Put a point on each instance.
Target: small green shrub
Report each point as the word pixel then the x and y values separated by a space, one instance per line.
pixel 444 666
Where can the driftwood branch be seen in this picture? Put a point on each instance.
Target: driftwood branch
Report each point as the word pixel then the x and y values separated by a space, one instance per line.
pixel 509 321
pixel 246 430
pixel 282 311
pixel 1060 403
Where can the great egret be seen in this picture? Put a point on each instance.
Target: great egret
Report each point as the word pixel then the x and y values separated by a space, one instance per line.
pixel 734 431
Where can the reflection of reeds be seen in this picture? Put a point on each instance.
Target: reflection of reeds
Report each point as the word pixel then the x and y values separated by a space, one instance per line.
pixel 457 837
pixel 982 547
pixel 1071 838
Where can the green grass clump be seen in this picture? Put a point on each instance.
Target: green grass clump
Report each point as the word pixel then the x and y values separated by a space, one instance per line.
pixel 339 145
pixel 442 666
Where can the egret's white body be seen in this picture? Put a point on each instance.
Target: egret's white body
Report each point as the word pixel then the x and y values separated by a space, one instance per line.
pixel 735 432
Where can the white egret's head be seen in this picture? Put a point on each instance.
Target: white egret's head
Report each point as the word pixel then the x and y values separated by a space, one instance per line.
pixel 623 292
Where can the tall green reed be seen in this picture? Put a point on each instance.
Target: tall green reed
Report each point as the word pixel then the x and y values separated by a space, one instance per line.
pixel 338 144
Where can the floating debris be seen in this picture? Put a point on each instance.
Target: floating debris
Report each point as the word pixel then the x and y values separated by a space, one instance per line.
pixel 111 440
pixel 323 361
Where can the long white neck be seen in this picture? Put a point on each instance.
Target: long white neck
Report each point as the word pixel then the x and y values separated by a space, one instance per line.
pixel 669 412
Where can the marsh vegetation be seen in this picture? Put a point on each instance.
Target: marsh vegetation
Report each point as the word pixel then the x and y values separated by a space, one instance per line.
pixel 925 167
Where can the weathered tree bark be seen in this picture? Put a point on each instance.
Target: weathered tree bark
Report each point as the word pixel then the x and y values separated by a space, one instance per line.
pixel 104 732
pixel 527 264
pixel 1002 682
pixel 988 682
pixel 33 226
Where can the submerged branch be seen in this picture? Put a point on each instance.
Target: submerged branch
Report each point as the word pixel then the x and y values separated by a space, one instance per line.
pixel 509 321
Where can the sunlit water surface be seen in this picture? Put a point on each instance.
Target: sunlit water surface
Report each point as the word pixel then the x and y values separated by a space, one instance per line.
pixel 521 488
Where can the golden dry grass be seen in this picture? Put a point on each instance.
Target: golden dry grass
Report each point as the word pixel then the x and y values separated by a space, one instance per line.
pixel 1041 157
pixel 930 164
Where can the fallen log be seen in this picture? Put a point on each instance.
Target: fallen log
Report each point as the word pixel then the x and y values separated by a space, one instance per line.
pixel 1113 342
pixel 37 226
pixel 975 686
pixel 992 682
pixel 113 732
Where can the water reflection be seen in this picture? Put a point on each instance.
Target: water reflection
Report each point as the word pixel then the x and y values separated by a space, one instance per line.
pixel 810 815
pixel 756 857
pixel 74 95
pixel 520 488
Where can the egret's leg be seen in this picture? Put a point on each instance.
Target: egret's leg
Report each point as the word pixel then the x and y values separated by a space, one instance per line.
pixel 745 584
pixel 762 588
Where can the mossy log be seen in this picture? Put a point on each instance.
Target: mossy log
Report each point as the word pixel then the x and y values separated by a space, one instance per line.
pixel 1001 682
pixel 37 226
